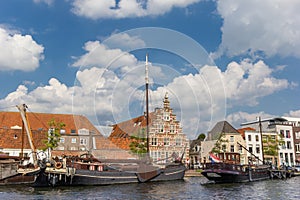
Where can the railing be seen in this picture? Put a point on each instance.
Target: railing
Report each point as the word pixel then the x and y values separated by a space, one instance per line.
pixel 225 166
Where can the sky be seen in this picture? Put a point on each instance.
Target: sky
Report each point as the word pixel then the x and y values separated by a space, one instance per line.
pixel 215 59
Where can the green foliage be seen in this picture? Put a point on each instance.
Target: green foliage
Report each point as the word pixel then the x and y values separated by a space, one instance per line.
pixel 54 134
pixel 138 144
pixel 218 145
pixel 201 137
pixel 271 146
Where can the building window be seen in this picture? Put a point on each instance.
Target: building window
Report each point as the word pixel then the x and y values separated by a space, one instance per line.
pixel 231 148
pixel 154 141
pixel 297 148
pixel 61 148
pixel 154 155
pixel 240 149
pixel 166 141
pixel 73 140
pixel 288 145
pixel 250 149
pixel 256 138
pixel 83 132
pixel 62 131
pixel 224 148
pixel 257 149
pixel 273 137
pixel 172 128
pixel 72 148
pixel 231 138
pixel 73 131
pixel 297 135
pixel 167 116
pixel 160 128
pixel 178 142
pixel 291 158
pixel 282 133
pixel 265 138
pixel 249 137
pixel 83 141
pixel 287 134
pixel 62 140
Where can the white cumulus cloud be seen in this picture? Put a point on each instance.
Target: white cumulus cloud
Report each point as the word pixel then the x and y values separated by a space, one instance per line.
pixel 100 55
pixel 246 82
pixel 19 52
pixel 97 9
pixel 271 27
pixel 107 96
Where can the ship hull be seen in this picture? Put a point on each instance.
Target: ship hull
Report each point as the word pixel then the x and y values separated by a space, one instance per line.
pixel 229 173
pixel 90 177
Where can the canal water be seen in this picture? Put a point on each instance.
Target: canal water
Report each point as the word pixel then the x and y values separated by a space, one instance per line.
pixel 189 188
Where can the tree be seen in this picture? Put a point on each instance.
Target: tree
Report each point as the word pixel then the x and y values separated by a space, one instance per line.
pixel 53 134
pixel 271 145
pixel 201 137
pixel 138 144
pixel 218 145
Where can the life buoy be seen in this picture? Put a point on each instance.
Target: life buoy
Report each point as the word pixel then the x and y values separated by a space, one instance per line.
pixel 58 165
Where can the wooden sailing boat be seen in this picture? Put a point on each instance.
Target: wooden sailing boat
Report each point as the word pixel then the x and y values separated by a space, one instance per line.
pixel 225 172
pixel 88 170
pixel 146 171
pixel 12 168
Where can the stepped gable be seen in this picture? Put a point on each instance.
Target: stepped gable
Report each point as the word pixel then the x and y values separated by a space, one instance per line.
pixel 221 128
pixel 122 132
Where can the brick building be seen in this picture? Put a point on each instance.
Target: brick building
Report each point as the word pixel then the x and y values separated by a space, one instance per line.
pixel 165 133
pixel 78 136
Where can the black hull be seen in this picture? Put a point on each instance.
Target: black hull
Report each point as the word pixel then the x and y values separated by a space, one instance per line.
pixel 92 178
pixel 221 177
pixel 230 174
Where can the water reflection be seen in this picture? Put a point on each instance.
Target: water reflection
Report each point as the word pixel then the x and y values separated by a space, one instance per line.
pixel 189 188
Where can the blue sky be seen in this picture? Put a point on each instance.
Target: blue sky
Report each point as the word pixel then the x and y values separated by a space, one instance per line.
pixel 217 59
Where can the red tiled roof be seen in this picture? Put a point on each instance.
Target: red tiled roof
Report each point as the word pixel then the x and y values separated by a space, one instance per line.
pixel 38 121
pixel 11 138
pixel 242 130
pixel 122 132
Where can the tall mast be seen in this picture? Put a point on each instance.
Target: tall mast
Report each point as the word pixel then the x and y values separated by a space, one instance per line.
pixel 22 109
pixel 147 101
pixel 261 140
